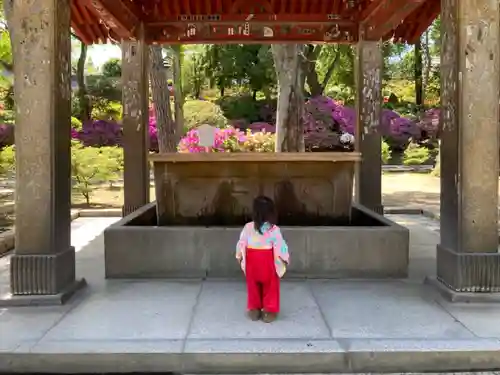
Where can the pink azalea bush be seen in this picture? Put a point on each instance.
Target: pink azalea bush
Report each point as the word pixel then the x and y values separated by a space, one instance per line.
pixel 226 140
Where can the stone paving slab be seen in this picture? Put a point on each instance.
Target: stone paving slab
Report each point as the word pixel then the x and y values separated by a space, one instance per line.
pixel 199 326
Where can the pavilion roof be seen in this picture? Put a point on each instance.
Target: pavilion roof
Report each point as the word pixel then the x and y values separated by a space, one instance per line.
pixel 247 21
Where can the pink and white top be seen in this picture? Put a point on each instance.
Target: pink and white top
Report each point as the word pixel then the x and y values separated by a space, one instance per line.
pixel 270 238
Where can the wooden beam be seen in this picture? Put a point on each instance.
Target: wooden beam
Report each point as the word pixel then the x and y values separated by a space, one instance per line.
pixel 294 18
pixel 422 25
pixel 390 16
pixel 259 33
pixel 370 11
pixel 117 16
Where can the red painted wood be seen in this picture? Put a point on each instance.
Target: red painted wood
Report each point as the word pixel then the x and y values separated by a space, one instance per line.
pixel 380 18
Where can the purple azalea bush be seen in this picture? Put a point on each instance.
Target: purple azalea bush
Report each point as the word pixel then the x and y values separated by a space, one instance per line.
pixel 256 127
pixel 429 124
pixel 324 115
pixel 6 135
pixel 98 133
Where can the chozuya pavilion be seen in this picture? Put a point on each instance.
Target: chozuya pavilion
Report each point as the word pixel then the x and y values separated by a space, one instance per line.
pixel 468 262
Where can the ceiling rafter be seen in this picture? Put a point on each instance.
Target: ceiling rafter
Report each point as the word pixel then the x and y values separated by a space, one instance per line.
pixel 117 16
pixel 329 21
pixel 390 16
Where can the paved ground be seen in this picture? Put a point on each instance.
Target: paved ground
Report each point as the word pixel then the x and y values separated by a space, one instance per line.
pixel 349 320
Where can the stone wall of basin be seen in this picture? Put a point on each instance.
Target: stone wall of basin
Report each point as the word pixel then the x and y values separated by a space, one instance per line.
pixel 133 249
pixel 218 188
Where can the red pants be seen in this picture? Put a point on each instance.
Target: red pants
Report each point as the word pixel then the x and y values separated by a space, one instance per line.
pixel 263 283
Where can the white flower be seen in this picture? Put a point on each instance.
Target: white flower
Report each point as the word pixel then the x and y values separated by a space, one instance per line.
pixel 347 138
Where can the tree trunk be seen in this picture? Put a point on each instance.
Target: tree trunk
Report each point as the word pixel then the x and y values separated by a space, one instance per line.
pixel 427 64
pixel 309 69
pixel 317 88
pixel 289 122
pixel 167 135
pixel 419 89
pixel 178 89
pixel 82 90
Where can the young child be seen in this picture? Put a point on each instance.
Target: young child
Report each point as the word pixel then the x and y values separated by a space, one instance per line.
pixel 263 255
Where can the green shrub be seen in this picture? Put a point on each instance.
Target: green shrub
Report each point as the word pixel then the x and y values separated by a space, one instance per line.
pixel 107 110
pixel 415 155
pixel 7 116
pixel 198 112
pixel 8 160
pixel 240 107
pixel 91 166
pixel 115 156
pixel 76 124
pixel 386 152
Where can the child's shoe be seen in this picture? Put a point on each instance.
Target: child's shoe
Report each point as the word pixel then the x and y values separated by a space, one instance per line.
pixel 254 315
pixel 269 317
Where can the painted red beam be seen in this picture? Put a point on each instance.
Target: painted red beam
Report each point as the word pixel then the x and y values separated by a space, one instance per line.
pixel 255 34
pixel 371 10
pixel 424 21
pixel 242 40
pixel 390 16
pixel 253 18
pixel 117 17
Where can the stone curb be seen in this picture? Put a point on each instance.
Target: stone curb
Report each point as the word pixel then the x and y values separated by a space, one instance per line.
pixel 411 211
pixel 7 238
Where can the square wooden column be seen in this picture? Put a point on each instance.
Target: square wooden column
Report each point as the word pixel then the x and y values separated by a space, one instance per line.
pixel 43 266
pixel 368 74
pixel 467 257
pixel 135 125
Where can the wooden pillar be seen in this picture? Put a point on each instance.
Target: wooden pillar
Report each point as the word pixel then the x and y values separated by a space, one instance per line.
pixel 467 257
pixel 368 74
pixel 43 266
pixel 135 125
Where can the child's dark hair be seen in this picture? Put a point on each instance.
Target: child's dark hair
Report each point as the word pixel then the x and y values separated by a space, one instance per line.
pixel 263 211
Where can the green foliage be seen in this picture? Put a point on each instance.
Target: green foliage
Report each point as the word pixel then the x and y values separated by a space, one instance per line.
pixel 198 112
pixel 416 155
pixel 91 166
pixel 437 167
pixel 343 93
pixel 7 116
pixel 239 107
pixel 193 77
pixel 112 68
pixel 107 110
pixel 8 160
pixel 76 124
pixel 386 152
pixel 248 65
pixel 100 87
pixel 343 73
pixel 5 51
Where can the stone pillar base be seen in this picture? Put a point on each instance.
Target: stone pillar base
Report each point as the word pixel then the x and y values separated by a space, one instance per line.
pixel 379 209
pixel 127 210
pixel 42 279
pixel 461 297
pixel 468 276
pixel 60 298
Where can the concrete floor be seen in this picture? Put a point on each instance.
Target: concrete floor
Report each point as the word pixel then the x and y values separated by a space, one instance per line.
pixel 199 326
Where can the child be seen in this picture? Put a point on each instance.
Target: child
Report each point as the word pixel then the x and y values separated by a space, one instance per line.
pixel 263 255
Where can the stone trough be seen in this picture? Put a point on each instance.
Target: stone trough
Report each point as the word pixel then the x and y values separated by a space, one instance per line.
pixel 203 200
